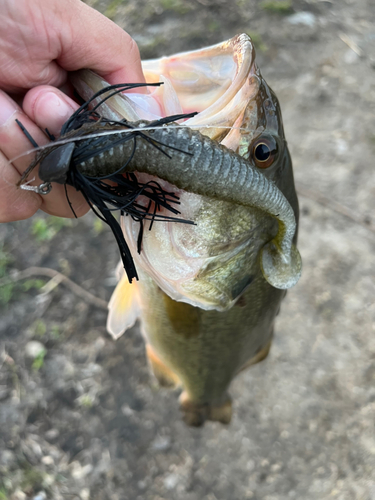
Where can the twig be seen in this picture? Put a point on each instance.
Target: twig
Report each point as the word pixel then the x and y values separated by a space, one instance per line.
pixel 335 206
pixel 57 278
pixel 51 285
pixel 352 45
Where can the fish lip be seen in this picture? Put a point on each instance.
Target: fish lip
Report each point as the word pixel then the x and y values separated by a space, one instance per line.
pixel 242 50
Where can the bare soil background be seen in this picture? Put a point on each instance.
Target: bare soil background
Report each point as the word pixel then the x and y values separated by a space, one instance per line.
pixel 83 419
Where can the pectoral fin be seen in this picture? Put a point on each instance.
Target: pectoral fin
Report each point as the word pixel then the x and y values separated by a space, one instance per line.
pixel 123 308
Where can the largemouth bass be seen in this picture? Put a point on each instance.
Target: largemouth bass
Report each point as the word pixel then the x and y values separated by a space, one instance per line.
pixel 208 293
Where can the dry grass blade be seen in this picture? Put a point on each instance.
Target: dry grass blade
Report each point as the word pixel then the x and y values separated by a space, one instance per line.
pixel 351 44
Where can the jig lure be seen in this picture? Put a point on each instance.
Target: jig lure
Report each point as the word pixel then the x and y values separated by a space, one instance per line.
pixel 85 137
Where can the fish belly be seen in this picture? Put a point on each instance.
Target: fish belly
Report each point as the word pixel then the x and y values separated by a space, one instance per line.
pixel 202 351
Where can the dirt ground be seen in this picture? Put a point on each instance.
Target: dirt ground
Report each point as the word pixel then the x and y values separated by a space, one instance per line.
pixel 80 417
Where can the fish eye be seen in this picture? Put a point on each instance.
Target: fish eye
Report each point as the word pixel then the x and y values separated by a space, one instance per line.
pixel 264 151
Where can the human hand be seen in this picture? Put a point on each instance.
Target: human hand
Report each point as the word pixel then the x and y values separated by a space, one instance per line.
pixel 39 43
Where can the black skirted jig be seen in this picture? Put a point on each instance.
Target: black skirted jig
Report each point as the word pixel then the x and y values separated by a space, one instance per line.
pixel 84 133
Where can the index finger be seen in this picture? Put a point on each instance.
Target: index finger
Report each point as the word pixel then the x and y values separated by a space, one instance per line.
pixel 93 41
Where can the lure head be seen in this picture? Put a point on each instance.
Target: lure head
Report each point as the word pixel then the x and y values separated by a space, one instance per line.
pixel 209 265
pixel 55 166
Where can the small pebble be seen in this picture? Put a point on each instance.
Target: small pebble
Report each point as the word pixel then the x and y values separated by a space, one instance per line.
pixel 341 146
pixel 84 494
pixel 4 392
pixel 7 458
pixel 126 410
pixel 19 495
pixel 34 349
pixel 305 18
pixel 40 496
pixel 142 485
pixel 276 467
pixel 47 460
pixel 79 472
pixel 250 466
pixel 161 443
pixel 51 434
pixel 99 344
pixel 171 481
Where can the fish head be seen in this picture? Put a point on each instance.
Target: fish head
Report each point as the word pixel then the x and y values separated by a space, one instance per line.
pixel 211 263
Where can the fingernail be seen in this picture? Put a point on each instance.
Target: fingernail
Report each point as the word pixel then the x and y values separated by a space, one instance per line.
pixel 7 108
pixel 49 104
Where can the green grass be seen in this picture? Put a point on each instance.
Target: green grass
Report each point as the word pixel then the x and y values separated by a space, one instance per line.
pixel 44 229
pixel 277 6
pixel 39 361
pixel 175 5
pixel 32 480
pixel 257 41
pixel 213 26
pixel 33 283
pixel 3 494
pixel 9 288
pixel 98 226
pixel 55 332
pixel 5 260
pixel 6 290
pixel 6 293
pixel 112 8
pixel 39 328
pixel 86 401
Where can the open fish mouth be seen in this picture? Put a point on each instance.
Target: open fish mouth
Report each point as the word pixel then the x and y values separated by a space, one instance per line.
pixel 218 82
pixel 203 264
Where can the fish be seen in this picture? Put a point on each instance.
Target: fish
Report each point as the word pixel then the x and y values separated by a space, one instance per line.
pixel 209 290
